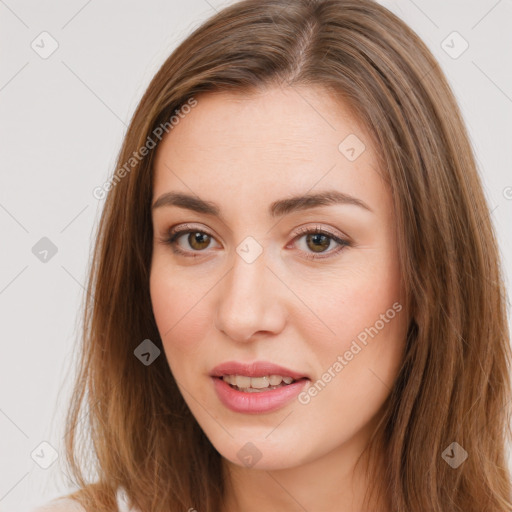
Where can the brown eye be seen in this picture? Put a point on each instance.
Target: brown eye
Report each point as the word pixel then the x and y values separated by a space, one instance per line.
pixel 318 242
pixel 194 241
pixel 198 240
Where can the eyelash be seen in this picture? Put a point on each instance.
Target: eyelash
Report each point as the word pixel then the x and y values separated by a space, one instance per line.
pixel 174 235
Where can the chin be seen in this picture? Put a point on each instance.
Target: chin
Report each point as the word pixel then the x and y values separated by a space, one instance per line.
pixel 256 452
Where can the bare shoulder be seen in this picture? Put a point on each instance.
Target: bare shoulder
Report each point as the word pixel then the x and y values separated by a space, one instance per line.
pixel 60 505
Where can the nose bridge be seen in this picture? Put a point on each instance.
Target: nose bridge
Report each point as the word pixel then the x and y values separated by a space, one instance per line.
pixel 247 301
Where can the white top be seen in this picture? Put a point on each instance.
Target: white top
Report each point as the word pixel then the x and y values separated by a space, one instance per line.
pixel 69 505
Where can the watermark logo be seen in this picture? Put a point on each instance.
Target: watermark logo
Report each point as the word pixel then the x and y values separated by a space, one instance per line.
pixel 454 455
pixel 147 352
pixel 352 147
pixel 44 455
pixel 44 45
pixel 44 250
pixel 454 45
pixel 249 249
pixel 249 454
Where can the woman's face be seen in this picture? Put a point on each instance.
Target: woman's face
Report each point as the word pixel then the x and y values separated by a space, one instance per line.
pixel 312 286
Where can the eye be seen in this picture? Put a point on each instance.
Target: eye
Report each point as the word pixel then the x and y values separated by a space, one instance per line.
pixel 317 240
pixel 197 239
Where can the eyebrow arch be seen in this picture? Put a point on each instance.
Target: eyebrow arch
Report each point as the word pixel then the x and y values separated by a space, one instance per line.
pixel 277 208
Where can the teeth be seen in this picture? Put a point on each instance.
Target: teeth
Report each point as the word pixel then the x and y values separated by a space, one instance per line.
pixel 252 384
pixel 230 379
pixel 275 380
pixel 258 382
pixel 242 381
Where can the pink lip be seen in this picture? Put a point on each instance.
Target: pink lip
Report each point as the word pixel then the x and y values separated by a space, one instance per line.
pixel 259 402
pixel 256 369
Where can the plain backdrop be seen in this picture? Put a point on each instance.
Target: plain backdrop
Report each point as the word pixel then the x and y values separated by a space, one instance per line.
pixel 62 120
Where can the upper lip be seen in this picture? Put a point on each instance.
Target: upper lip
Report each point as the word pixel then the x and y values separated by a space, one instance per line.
pixel 255 369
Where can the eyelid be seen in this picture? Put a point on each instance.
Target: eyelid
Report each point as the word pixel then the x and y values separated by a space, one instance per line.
pixel 301 230
pixel 182 229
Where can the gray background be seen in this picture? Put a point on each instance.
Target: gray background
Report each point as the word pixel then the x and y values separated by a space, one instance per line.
pixel 62 119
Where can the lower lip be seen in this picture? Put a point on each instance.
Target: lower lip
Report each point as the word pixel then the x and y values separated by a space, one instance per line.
pixel 259 401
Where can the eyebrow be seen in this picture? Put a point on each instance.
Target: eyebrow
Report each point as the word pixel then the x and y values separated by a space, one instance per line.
pixel 277 208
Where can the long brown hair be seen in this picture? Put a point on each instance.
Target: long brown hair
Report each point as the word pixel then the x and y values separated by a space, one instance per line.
pixel 453 385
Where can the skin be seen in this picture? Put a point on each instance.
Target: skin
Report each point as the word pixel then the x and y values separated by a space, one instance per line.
pixel 243 152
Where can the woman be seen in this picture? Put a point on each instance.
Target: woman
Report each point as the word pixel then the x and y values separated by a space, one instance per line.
pixel 296 300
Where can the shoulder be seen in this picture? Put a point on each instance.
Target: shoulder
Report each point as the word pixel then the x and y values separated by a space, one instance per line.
pixel 60 505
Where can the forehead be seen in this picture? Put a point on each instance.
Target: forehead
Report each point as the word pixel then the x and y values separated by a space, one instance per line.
pixel 271 143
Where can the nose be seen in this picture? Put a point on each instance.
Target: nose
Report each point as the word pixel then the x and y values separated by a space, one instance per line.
pixel 250 302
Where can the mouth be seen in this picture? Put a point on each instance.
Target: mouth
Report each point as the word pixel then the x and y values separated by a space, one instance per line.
pixel 238 374
pixel 248 384
pixel 257 387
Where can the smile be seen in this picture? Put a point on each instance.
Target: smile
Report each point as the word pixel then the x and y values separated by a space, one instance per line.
pixel 257 401
pixel 257 384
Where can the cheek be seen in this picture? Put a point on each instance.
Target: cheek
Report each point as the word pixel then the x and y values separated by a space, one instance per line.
pixel 179 310
pixel 351 300
pixel 359 360
pixel 369 321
